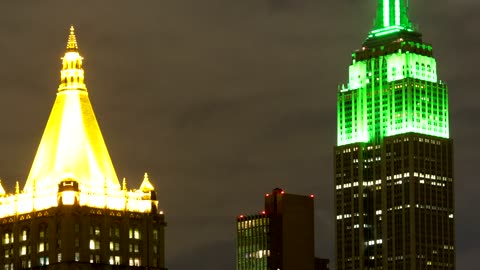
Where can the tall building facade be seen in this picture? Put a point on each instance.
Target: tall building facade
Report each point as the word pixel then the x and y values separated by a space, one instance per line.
pixel 73 213
pixel 394 188
pixel 281 237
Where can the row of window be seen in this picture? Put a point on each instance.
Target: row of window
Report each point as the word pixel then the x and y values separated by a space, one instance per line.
pixel 133 233
pixel 113 260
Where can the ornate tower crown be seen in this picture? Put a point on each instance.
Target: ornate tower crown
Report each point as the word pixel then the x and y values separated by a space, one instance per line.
pixel 72 74
pixel 72 146
pixel 72 166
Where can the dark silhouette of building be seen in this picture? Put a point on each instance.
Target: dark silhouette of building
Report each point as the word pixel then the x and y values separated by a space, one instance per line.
pixel 281 237
pixel 394 199
pixel 322 264
pixel 73 213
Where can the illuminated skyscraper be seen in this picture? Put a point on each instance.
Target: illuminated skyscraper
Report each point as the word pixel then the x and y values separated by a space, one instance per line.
pixel 72 211
pixel 394 198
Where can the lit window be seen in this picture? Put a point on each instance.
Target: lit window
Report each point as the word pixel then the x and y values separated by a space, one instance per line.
pixel 24 235
pixel 59 257
pixel 117 260
pixel 136 234
pixel 7 238
pixel 23 250
pixel 41 247
pixel 77 256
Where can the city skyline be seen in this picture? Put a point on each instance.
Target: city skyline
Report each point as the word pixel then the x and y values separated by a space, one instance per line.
pixel 248 106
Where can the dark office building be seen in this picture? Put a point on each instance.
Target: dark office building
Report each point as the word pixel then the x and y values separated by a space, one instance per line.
pixel 73 213
pixel 322 264
pixel 394 199
pixel 281 237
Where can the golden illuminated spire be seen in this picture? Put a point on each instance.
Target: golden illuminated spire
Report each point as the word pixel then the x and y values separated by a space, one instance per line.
pixel 72 145
pixel 72 74
pixel 72 41
pixel 146 186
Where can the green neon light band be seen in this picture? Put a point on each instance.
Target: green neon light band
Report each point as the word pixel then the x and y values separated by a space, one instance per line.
pixel 397 12
pixel 386 14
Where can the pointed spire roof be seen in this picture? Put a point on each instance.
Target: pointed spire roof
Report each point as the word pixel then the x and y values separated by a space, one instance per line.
pixel 392 17
pixel 72 41
pixel 146 186
pixel 72 144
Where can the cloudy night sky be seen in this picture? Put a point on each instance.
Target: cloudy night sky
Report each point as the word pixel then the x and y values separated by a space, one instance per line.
pixel 221 101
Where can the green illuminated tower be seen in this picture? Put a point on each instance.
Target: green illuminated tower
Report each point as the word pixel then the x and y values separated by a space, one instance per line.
pixel 394 197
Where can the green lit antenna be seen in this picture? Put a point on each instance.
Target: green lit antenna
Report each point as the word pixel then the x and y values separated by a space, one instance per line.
pixel 392 17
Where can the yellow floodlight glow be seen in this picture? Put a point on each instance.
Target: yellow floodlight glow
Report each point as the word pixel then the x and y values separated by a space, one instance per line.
pixel 73 153
pixel 68 197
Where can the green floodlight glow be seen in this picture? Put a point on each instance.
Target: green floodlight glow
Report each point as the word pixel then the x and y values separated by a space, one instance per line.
pixel 392 94
pixel 393 87
pixel 386 13
pixel 392 16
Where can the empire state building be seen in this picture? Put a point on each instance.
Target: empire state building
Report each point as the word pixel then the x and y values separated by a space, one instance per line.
pixel 394 181
pixel 73 213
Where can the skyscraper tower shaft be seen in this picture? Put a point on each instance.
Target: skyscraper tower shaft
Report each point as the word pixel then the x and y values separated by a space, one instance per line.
pixel 394 188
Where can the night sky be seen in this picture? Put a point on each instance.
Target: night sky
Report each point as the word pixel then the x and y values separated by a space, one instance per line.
pixel 221 101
